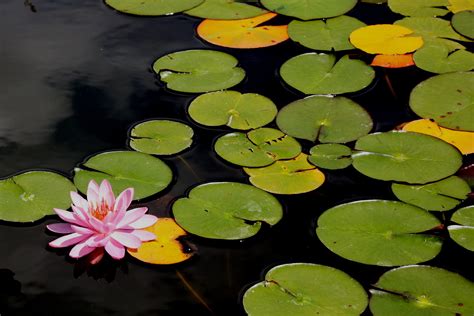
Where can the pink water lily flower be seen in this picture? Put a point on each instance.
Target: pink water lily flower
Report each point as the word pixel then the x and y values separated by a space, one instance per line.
pixel 102 222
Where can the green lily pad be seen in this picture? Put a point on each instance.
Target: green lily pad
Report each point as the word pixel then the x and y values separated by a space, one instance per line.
pixel 294 176
pixel 374 1
pixel 225 10
pixel 198 70
pixel 422 291
pixel 309 10
pixel 234 109
pixel 439 59
pixel 226 210
pixel 405 157
pixel 378 232
pixel 32 195
pixel 125 169
pixel 324 119
pixel 152 7
pixel 330 34
pixel 443 195
pixel 463 234
pixel 330 156
pixel 305 289
pixel 428 8
pixel 257 148
pixel 463 23
pixel 313 73
pixel 447 99
pixel 161 137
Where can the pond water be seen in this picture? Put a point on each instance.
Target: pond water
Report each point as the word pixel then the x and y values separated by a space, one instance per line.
pixel 75 76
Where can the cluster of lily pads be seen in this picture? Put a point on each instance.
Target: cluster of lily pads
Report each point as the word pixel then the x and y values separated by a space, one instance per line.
pixel 323 130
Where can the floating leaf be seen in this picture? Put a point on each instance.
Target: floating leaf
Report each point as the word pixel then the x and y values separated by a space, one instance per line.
pixel 198 70
pixel 305 289
pixel 386 39
pixel 393 61
pixel 257 148
pixel 234 109
pixel 378 232
pixel 460 5
pixel 226 210
pixel 374 1
pixel 166 249
pixel 422 291
pixel 161 137
pixel 310 10
pixel 293 176
pixel 464 141
pixel 463 23
pixel 447 99
pixel 330 34
pixel 326 119
pixel 419 7
pixel 313 73
pixel 463 234
pixel 125 169
pixel 243 33
pixel 152 7
pixel 32 195
pixel 443 195
pixel 225 10
pixel 438 58
pixel 330 156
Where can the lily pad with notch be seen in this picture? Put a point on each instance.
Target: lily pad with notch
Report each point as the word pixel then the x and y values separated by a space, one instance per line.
pixel 309 10
pixel 463 234
pixel 419 7
pixel 152 7
pixel 330 156
pixel 225 10
pixel 438 58
pixel 463 23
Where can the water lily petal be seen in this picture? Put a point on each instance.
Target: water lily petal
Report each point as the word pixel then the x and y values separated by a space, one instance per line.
pixel 144 235
pixel 127 239
pixel 93 194
pixel 132 216
pixel 144 222
pixel 81 215
pixel 79 201
pixel 60 228
pixel 123 200
pixel 106 194
pixel 115 249
pixel 68 240
pixel 80 250
pixel 96 224
pixel 82 230
pixel 67 216
pixel 97 241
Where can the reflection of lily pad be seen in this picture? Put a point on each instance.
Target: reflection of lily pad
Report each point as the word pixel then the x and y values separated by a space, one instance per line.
pixel 257 148
pixel 463 234
pixel 293 176
pixel 463 23
pixel 32 195
pixel 125 169
pixel 198 70
pixel 314 73
pixel 405 157
pixel 383 233
pixel 309 10
pixel 438 58
pixel 226 210
pixel 448 99
pixel 419 7
pixel 331 34
pixel 422 291
pixel 326 119
pixel 305 289
pixel 331 156
pixel 224 10
pixel 152 7
pixel 161 137
pixel 443 195
pixel 234 109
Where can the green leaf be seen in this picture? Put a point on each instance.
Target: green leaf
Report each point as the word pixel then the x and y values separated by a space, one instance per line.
pixel 437 58
pixel 463 23
pixel 428 8
pixel 234 109
pixel 32 195
pixel 225 10
pixel 293 176
pixel 198 70
pixel 405 157
pixel 448 99
pixel 313 73
pixel 305 289
pixel 324 119
pixel 257 148
pixel 330 156
pixel 463 234
pixel 226 210
pixel 152 7
pixel 309 10
pixel 378 232
pixel 443 195
pixel 330 34
pixel 125 169
pixel 161 137
pixel 422 291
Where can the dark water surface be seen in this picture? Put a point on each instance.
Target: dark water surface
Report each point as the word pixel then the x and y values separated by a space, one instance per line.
pixel 74 77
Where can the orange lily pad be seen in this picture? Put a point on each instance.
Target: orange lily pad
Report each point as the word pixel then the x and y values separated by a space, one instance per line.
pixel 393 61
pixel 244 33
pixel 166 249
